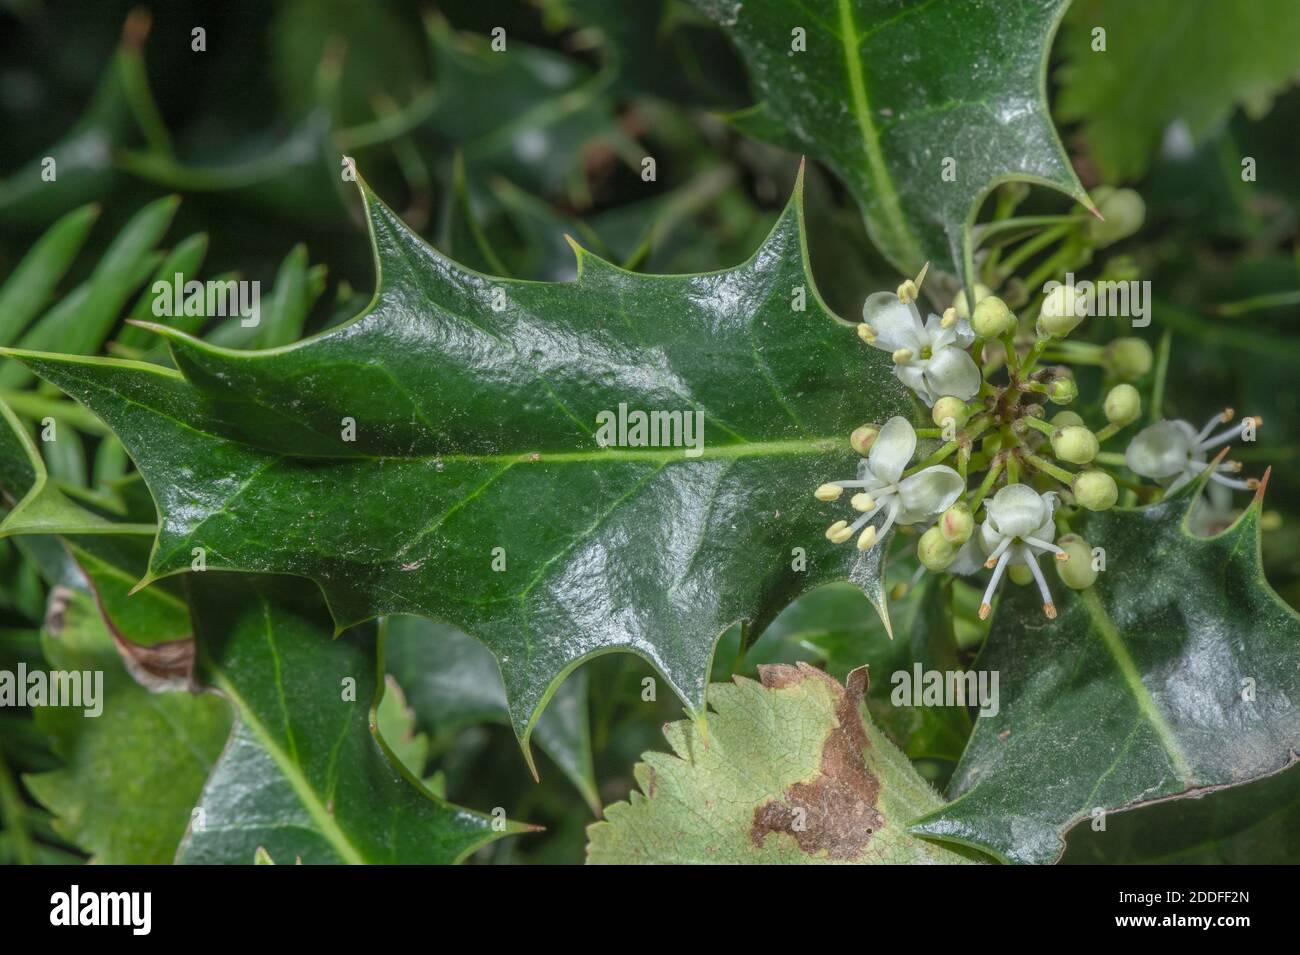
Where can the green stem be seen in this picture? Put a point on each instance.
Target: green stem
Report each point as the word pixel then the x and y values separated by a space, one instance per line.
pixel 1043 426
pixel 1112 458
pixel 985 486
pixel 1162 372
pixel 1050 469
pixel 933 459
pixel 1033 246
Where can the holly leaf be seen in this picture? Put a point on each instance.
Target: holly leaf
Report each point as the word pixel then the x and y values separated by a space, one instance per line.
pixel 133 771
pixel 1190 69
pixel 305 774
pixel 1173 675
pixel 439 455
pixel 792 771
pixel 40 505
pixel 921 108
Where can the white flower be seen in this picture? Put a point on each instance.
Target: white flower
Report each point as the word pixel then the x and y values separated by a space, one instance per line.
pixel 929 358
pixel 1173 453
pixel 1019 527
pixel 883 489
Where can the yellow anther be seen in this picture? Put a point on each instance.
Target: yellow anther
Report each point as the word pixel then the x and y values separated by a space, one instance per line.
pixel 1049 611
pixel 828 492
pixel 907 292
pixel 835 529
pixel 867 333
pixel 949 318
pixel 902 356
pixel 862 502
pixel 867 537
pixel 841 535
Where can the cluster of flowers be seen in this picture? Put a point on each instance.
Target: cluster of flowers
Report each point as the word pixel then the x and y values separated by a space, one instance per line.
pixel 1011 515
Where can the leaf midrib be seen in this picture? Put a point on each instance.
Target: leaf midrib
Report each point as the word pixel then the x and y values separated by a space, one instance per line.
pixel 308 796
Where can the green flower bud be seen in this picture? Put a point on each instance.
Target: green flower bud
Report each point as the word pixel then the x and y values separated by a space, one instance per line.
pixel 1075 444
pixel 934 551
pixel 1095 490
pixel 992 318
pixel 950 407
pixel 1129 358
pixel 1062 391
pixel 1065 419
pixel 1076 570
pixel 982 292
pixel 1123 405
pixel 1062 311
pixel 957 524
pixel 863 438
pixel 1124 212
pixel 1020 574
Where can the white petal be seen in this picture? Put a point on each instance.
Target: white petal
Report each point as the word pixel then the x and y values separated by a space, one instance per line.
pixel 953 372
pixel 896 325
pixel 1160 450
pixel 989 537
pixel 964 335
pixel 928 493
pixel 914 377
pixel 969 559
pixel 1018 510
pixel 892 450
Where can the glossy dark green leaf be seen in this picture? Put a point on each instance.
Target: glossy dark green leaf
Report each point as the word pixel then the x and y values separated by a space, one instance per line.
pixel 37 503
pixel 1256 824
pixel 1173 674
pixel 920 107
pixel 475 445
pixel 305 775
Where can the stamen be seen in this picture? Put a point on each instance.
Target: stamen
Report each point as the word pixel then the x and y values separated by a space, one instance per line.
pixel 1223 417
pixel 893 513
pixel 987 604
pixel 868 538
pixel 1049 608
pixel 1230 467
pixel 863 502
pixel 835 529
pixel 949 318
pixel 1249 484
pixel 907 292
pixel 828 492
pixel 853 528
pixel 1044 545
pixel 997 552
pixel 902 356
pixel 1232 434
pixel 867 333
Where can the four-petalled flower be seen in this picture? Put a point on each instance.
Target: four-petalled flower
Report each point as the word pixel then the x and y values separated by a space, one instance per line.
pixel 1019 526
pixel 881 488
pixel 930 357
pixel 1174 452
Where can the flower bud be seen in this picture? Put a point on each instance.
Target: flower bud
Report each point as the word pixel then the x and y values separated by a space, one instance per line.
pixel 1065 419
pixel 1062 311
pixel 992 318
pixel 1075 444
pixel 1123 405
pixel 934 551
pixel 1076 570
pixel 957 524
pixel 1129 358
pixel 1124 212
pixel 863 438
pixel 1095 490
pixel 1020 574
pixel 950 407
pixel 1062 391
pixel 982 292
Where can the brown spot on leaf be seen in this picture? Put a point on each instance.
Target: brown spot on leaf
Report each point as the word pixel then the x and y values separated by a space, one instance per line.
pixel 161 667
pixel 836 813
